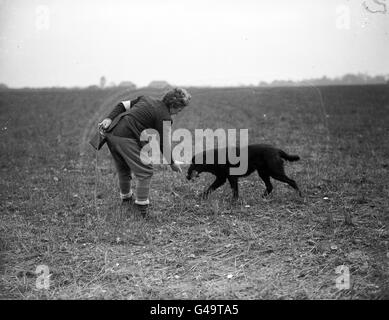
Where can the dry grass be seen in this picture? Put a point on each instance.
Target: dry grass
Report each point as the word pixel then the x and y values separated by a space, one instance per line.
pixel 60 206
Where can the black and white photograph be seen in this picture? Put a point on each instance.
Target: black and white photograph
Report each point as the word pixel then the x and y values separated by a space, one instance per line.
pixel 194 151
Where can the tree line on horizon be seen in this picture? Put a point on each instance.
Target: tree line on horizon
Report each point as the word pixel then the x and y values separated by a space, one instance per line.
pixel 347 79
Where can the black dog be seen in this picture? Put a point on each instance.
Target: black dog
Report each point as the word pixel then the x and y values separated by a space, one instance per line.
pixel 265 159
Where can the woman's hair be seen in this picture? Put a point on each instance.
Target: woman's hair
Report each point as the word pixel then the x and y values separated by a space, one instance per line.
pixel 176 98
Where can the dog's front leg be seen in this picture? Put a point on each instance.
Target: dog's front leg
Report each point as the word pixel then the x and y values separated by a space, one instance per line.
pixel 216 184
pixel 234 186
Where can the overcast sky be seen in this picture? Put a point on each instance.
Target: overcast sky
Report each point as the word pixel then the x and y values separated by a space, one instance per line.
pixel 194 42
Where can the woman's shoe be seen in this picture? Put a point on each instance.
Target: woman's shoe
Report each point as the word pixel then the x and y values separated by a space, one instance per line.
pixel 142 209
pixel 128 201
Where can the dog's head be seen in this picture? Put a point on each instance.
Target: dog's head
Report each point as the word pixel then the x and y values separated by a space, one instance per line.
pixel 193 172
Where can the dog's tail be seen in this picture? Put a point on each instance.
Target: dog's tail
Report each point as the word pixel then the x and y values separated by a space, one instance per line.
pixel 288 157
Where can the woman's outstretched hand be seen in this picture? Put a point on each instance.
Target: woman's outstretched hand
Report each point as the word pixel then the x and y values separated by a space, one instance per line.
pixel 176 167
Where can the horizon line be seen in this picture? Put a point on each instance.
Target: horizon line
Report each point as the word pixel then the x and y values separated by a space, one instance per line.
pixel 361 77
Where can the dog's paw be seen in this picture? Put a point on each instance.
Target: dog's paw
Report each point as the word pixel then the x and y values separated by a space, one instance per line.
pixel 236 202
pixel 265 195
pixel 204 195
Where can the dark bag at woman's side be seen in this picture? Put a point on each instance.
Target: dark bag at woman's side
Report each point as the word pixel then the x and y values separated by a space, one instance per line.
pixel 98 140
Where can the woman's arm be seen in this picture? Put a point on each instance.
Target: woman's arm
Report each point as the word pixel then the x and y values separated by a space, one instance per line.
pixel 119 108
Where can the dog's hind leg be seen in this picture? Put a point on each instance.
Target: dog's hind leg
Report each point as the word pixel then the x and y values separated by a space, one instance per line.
pixel 234 186
pixel 216 184
pixel 289 181
pixel 266 180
